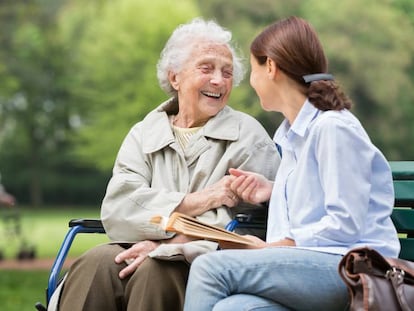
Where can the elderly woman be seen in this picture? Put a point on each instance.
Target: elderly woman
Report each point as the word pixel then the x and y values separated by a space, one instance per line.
pixel 176 159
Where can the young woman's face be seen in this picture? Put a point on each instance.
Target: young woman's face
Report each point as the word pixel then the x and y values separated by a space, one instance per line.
pixel 205 82
pixel 260 80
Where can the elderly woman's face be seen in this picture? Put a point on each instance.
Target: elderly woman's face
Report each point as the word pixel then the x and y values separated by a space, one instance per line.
pixel 205 82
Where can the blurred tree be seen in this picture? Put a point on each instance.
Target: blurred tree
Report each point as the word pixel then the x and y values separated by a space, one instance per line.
pixel 33 116
pixel 245 19
pixel 406 149
pixel 371 57
pixel 76 75
pixel 369 54
pixel 115 47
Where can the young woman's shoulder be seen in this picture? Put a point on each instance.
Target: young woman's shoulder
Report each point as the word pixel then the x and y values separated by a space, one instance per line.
pixel 332 118
pixel 336 124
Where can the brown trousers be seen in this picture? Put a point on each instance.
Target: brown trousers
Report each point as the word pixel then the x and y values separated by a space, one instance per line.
pixel 93 284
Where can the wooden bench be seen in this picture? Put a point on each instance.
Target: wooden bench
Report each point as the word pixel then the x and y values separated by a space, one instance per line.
pixel 403 213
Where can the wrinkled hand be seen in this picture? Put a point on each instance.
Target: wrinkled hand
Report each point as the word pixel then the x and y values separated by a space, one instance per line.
pixel 250 187
pixel 211 197
pixel 134 256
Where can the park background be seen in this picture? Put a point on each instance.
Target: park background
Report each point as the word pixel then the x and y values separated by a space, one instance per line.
pixel 76 75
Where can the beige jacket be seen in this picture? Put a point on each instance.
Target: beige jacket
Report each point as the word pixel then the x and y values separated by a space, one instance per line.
pixel 152 174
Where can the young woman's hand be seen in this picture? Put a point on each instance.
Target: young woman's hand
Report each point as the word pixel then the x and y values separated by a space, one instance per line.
pixel 256 243
pixel 250 187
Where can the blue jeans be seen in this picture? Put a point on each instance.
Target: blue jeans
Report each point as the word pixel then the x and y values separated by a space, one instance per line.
pixel 276 278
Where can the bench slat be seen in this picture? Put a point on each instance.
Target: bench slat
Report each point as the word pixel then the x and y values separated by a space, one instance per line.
pixel 404 193
pixel 403 213
pixel 403 219
pixel 407 249
pixel 402 169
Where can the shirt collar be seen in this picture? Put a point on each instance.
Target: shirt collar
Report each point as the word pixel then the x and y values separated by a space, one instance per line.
pixel 300 125
pixel 307 113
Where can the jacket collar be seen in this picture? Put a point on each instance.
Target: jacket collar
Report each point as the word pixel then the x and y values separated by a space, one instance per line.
pixel 157 132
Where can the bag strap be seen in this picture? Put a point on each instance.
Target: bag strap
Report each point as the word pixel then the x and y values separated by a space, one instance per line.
pixel 396 278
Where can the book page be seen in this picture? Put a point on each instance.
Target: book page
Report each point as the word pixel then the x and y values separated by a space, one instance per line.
pixel 190 226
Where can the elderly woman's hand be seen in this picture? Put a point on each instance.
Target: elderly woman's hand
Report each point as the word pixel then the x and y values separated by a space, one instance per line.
pixel 211 197
pixel 134 256
pixel 137 253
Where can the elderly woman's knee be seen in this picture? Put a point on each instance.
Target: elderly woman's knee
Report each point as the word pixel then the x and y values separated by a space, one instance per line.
pixel 102 255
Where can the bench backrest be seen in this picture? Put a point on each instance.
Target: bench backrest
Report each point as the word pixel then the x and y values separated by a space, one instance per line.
pixel 403 213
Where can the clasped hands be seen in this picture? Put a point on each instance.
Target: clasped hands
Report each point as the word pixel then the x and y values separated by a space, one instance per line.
pixel 238 186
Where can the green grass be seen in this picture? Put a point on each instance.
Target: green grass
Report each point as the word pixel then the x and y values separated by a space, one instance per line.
pixel 44 229
pixel 20 290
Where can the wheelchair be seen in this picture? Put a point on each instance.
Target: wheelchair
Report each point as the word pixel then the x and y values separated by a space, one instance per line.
pixel 253 222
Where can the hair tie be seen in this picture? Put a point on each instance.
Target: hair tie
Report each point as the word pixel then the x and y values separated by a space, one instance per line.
pixel 317 77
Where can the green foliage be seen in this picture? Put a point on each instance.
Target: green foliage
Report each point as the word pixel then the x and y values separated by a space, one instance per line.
pixel 370 50
pixel 114 68
pixel 76 75
pixel 245 20
pixel 370 56
pixel 33 114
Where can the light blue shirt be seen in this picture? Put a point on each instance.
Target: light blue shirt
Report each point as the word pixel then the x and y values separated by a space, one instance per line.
pixel 334 189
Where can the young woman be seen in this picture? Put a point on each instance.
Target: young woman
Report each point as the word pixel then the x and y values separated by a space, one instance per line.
pixel 333 190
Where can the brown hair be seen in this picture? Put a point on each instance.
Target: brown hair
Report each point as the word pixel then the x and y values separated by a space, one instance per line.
pixel 294 46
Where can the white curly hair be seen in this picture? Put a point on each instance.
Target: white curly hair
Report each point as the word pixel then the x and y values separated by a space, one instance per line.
pixel 179 46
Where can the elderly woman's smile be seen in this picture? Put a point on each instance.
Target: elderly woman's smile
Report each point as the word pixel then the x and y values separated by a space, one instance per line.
pixel 203 84
pixel 211 94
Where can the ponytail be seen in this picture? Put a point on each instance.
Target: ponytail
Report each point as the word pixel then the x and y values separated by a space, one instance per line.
pixel 327 95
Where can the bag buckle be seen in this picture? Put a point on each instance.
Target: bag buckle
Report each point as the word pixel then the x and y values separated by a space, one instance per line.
pixel 395 274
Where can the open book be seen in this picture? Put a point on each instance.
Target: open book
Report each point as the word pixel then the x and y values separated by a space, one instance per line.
pixel 190 226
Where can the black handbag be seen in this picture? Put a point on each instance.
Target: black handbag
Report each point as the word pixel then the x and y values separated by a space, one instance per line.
pixel 377 283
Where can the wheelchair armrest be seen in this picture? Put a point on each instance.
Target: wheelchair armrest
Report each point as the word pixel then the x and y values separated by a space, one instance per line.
pixel 255 220
pixel 75 226
pixel 88 223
